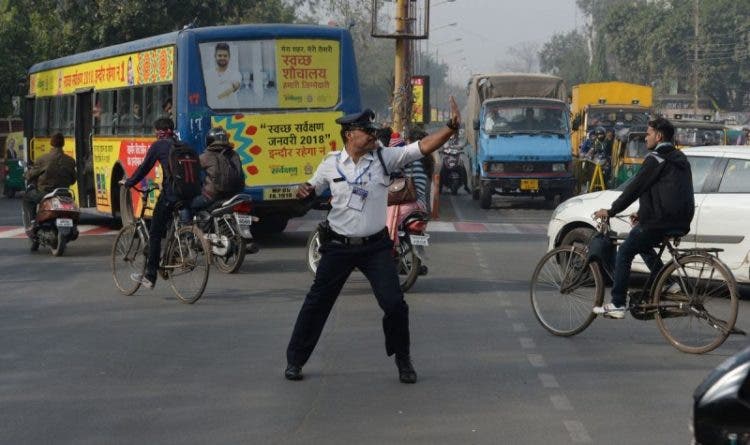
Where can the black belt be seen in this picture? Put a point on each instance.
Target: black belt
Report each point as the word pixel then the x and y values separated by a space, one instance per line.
pixel 357 240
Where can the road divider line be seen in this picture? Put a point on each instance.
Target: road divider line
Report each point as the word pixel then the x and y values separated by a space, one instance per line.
pixel 548 380
pixel 561 402
pixel 536 360
pixel 577 431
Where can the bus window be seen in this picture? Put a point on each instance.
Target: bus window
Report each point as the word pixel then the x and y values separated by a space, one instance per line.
pixel 122 121
pixel 68 115
pixel 41 117
pixel 106 102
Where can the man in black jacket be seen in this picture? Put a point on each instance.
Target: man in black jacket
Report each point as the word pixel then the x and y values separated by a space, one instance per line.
pixel 664 189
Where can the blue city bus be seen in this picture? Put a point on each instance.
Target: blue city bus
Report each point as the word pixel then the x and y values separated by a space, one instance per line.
pixel 277 90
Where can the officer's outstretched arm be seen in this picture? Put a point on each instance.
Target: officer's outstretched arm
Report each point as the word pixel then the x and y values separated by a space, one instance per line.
pixel 436 140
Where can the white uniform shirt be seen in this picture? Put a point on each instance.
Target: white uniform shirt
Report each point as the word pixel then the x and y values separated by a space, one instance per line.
pixel 371 219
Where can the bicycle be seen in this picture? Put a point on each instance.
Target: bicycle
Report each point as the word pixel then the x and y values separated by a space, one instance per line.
pixel 693 297
pixel 184 264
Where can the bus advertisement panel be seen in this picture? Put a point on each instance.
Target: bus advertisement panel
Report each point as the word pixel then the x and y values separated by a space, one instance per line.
pixel 276 89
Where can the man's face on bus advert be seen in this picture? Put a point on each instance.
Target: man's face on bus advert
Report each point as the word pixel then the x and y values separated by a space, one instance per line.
pixel 222 58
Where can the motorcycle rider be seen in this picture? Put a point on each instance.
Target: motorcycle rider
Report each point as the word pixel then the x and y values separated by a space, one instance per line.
pixel 218 145
pixel 52 170
pixel 216 169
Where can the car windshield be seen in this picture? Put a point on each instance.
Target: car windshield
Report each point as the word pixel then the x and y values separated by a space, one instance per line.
pixel 525 118
pixel 700 166
pixel 694 137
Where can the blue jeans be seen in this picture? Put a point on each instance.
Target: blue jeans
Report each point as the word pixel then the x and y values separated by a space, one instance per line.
pixel 198 203
pixel 639 241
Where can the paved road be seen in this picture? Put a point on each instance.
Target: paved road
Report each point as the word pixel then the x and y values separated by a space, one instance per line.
pixel 80 363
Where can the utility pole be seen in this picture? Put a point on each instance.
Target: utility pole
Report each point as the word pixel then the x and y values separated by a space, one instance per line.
pixel 401 103
pixel 696 24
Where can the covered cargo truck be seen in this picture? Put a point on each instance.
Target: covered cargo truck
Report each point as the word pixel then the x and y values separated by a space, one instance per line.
pixel 519 137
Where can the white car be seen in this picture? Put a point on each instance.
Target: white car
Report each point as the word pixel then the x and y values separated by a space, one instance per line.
pixel 721 182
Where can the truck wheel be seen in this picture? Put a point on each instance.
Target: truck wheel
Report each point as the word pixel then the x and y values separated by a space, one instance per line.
pixel 485 197
pixel 475 189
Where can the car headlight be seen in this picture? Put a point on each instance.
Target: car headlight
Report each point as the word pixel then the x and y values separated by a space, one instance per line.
pixel 558 167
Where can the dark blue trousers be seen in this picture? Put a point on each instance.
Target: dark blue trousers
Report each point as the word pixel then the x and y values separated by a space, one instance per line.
pixel 639 241
pixel 160 220
pixel 337 262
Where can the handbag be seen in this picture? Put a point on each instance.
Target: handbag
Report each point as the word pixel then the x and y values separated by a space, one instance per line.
pixel 401 191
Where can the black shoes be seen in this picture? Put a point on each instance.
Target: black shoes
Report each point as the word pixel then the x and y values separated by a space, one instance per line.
pixel 406 372
pixel 293 372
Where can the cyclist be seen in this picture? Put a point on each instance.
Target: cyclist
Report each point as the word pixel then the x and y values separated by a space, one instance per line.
pixel 158 151
pixel 664 189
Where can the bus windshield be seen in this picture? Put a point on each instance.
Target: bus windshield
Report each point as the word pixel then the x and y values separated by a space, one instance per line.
pixel 271 74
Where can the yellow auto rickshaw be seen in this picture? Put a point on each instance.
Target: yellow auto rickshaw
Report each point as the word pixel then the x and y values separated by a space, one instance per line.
pixel 698 133
pixel 628 152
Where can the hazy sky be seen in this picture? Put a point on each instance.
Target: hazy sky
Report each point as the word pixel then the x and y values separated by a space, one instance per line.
pixel 488 27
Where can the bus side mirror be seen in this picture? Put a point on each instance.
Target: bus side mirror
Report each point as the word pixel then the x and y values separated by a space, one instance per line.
pixel 475 124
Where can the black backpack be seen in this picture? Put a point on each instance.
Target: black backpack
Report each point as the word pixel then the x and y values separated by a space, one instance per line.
pixel 185 169
pixel 229 177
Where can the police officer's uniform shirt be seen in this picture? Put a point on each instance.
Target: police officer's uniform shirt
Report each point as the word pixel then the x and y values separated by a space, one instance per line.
pixel 366 175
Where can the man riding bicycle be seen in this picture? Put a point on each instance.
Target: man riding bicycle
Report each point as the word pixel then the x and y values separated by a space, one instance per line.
pixel 664 189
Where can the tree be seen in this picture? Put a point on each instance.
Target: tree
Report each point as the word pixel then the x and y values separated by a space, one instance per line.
pixel 566 56
pixel 521 58
pixel 37 30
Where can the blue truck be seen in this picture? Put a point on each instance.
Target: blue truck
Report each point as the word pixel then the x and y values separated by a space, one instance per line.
pixel 519 137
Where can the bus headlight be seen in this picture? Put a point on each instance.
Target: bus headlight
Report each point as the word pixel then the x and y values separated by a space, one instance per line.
pixel 560 167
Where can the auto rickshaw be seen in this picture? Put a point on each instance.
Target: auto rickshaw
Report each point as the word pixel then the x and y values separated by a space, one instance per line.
pixel 698 133
pixel 12 170
pixel 628 152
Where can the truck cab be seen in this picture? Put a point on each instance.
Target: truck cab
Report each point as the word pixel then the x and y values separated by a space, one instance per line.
pixel 523 149
pixel 519 138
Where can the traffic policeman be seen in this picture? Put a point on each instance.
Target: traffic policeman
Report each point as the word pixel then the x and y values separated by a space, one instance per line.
pixel 354 235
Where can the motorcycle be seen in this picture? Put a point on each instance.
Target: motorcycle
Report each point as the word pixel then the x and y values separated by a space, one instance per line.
pixel 452 171
pixel 409 249
pixel 227 228
pixel 56 222
pixel 411 238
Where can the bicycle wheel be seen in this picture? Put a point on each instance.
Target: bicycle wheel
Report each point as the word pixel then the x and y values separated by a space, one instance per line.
pixel 186 264
pixel 564 290
pixel 128 257
pixel 407 263
pixel 697 303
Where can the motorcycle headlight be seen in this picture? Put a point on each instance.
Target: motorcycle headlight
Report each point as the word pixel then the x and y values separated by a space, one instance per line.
pixel 560 167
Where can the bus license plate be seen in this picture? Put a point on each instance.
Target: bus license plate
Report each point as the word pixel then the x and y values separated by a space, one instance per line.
pixel 529 184
pixel 419 240
pixel 243 220
pixel 64 222
pixel 284 192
